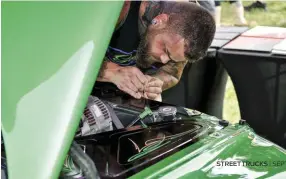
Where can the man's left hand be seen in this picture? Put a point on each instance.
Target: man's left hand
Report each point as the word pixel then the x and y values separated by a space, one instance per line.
pixel 153 88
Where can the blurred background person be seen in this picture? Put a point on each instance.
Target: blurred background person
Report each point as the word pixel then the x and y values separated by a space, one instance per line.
pixel 238 12
pixel 207 4
pixel 256 5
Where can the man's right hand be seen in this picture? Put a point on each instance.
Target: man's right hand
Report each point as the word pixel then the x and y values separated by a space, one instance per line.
pixel 130 80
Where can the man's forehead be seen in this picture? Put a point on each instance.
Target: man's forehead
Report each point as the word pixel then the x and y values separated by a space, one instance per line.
pixel 175 45
pixel 172 37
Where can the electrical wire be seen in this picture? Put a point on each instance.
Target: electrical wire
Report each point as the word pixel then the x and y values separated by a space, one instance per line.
pixel 153 144
pixel 121 51
pixel 70 169
pixel 168 137
pixel 124 58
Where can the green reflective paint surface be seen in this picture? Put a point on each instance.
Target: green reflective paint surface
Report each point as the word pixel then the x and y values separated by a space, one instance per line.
pixel 51 53
pixel 232 144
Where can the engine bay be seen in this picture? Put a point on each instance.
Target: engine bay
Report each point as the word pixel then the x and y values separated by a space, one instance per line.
pixel 121 135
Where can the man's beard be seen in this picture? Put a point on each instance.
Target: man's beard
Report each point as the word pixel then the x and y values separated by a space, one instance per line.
pixel 143 58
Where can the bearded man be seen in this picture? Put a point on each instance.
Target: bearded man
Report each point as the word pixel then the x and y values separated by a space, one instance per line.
pixel 153 42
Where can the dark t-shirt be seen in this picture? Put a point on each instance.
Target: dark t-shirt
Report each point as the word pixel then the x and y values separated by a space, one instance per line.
pixel 125 40
pixel 127 37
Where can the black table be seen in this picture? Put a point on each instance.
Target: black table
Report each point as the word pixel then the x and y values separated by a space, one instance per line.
pixel 259 78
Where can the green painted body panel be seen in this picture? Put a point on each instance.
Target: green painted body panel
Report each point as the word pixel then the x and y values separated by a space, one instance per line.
pixel 233 144
pixel 51 54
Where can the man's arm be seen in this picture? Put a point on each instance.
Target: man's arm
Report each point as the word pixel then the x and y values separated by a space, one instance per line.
pixel 106 71
pixel 170 74
pixel 165 78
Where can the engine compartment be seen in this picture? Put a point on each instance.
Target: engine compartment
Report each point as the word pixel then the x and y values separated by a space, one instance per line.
pixel 141 133
pixel 119 136
pixel 122 153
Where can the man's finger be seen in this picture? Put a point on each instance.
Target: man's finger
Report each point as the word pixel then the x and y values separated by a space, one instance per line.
pixel 138 95
pixel 151 95
pixel 155 83
pixel 145 96
pixel 129 91
pixel 137 83
pixel 131 86
pixel 141 77
pixel 157 90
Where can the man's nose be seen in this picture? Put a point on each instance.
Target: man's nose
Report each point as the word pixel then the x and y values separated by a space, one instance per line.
pixel 164 58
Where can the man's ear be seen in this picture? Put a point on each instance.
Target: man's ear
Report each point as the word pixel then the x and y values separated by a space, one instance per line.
pixel 160 21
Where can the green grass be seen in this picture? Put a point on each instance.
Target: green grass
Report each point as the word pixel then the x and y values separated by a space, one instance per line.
pixel 275 16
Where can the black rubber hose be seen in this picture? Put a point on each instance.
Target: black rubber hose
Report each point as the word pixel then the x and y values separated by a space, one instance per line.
pixel 83 161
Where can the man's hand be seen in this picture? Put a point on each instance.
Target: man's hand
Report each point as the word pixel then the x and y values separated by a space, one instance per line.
pixel 153 88
pixel 130 80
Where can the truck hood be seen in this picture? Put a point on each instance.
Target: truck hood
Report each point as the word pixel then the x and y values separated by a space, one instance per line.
pixel 234 152
pixel 51 55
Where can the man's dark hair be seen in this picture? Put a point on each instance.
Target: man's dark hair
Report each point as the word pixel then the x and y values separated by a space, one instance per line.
pixel 194 23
